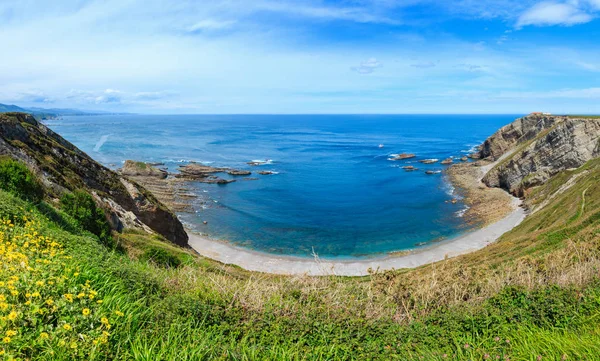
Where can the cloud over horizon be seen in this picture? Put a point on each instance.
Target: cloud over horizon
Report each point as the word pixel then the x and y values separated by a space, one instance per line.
pixel 290 56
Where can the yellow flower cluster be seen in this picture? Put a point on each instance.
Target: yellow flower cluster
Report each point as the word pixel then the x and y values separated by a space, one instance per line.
pixel 44 303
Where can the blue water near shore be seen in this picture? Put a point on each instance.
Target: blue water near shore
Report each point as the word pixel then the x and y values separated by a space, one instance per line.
pixel 335 193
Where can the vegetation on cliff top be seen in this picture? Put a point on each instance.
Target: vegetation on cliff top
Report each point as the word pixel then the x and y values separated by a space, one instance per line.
pixel 534 294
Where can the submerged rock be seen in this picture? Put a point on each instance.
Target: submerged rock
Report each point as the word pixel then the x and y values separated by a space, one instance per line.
pixel 266 172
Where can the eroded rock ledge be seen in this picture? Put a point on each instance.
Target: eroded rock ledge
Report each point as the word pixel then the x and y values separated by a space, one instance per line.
pixel 534 148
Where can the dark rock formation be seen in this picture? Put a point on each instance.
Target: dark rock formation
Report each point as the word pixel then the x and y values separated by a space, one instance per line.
pixel 238 172
pixel 63 167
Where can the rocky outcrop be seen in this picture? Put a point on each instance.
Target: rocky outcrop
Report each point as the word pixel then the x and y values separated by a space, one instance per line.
pixel 534 148
pixel 204 173
pixel 141 169
pixel 517 132
pixel 63 167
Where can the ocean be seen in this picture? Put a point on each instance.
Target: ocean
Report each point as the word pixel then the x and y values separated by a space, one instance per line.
pixel 335 191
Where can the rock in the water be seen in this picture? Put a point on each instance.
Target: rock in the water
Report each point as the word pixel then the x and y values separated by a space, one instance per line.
pixel 266 172
pixel 198 170
pixel 238 172
pixel 141 169
pixel 464 159
pixel 429 161
pixel 447 161
pixel 432 172
pixel 409 168
pixel 401 156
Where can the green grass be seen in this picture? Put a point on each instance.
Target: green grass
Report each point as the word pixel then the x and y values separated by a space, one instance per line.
pixel 537 288
pixel 585 116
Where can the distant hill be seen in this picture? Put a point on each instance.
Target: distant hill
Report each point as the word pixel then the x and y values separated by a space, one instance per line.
pixel 49 113
pixel 4 108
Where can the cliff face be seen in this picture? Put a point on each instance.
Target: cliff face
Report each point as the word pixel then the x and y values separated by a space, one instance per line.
pixel 62 166
pixel 534 148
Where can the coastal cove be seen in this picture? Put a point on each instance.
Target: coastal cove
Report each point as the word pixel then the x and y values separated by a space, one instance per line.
pixel 469 242
pixel 334 189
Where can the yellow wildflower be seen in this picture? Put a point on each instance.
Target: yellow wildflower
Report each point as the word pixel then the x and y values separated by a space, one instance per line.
pixel 49 302
pixel 67 327
pixel 44 335
pixel 119 313
pixel 6 340
pixel 68 297
pixel 81 295
pixel 86 311
pixel 11 333
pixel 12 316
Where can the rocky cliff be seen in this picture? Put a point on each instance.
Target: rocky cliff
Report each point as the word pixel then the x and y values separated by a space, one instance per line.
pixel 62 167
pixel 534 148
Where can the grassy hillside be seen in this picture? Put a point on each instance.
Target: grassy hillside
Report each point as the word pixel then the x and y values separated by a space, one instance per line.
pixel 65 294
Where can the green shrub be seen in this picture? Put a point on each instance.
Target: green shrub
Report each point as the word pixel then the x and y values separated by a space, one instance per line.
pixel 81 206
pixel 17 179
pixel 161 257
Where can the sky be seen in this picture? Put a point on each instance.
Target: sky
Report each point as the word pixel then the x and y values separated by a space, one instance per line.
pixel 302 56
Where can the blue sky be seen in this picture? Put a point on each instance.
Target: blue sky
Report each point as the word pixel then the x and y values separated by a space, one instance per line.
pixel 302 56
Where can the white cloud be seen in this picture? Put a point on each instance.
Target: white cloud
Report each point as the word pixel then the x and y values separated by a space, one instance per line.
pixel 549 13
pixel 367 67
pixel 594 4
pixel 210 25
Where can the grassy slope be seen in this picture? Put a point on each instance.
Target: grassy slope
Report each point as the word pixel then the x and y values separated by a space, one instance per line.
pixel 537 288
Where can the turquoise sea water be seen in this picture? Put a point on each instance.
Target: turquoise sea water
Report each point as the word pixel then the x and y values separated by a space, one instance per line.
pixel 335 191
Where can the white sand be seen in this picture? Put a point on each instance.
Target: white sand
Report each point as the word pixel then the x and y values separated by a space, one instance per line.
pixel 288 265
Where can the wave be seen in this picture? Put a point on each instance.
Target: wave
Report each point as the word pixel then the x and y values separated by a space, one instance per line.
pixel 462 212
pixel 472 148
pixel 101 142
pixel 188 161
pixel 261 161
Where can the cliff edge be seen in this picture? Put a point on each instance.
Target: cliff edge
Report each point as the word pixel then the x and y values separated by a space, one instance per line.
pixel 534 148
pixel 63 167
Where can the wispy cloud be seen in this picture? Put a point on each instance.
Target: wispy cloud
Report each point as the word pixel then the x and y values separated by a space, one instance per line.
pixel 210 25
pixel 367 67
pixel 549 13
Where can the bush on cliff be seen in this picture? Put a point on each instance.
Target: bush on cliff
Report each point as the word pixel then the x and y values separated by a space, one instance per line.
pixel 81 206
pixel 17 179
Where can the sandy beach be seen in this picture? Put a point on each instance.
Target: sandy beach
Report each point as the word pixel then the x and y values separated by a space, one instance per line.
pixel 288 265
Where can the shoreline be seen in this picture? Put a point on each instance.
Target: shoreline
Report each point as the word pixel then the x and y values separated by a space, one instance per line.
pixel 257 261
pixel 290 265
